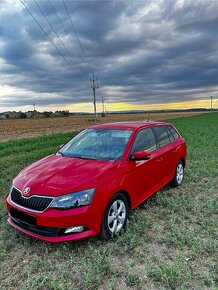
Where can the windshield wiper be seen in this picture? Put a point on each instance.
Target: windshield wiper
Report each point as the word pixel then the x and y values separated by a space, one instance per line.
pixel 86 157
pixel 62 154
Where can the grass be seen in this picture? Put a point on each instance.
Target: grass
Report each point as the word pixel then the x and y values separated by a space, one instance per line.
pixel 170 241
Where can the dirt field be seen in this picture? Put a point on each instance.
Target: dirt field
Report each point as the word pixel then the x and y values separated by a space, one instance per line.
pixel 19 128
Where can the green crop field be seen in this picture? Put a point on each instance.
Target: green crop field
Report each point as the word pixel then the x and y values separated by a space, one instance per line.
pixel 171 240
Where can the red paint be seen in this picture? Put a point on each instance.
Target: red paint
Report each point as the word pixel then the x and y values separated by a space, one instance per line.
pixel 56 175
pixel 141 155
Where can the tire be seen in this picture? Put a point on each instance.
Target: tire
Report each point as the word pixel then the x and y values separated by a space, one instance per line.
pixel 115 216
pixel 179 174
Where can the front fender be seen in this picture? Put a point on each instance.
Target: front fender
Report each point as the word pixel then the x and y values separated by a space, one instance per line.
pixel 105 192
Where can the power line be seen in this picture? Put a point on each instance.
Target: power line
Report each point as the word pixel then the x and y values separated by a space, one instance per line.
pixel 82 49
pixel 61 22
pixel 84 55
pixel 52 27
pixel 46 34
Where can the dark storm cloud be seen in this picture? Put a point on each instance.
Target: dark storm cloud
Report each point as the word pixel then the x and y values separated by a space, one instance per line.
pixel 142 52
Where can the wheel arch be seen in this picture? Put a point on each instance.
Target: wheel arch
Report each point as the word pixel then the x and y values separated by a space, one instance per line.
pixel 183 161
pixel 127 195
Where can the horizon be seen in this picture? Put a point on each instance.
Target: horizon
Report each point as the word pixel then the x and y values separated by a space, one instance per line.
pixel 130 111
pixel 124 107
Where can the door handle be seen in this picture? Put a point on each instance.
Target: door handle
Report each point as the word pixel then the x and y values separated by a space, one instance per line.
pixel 160 159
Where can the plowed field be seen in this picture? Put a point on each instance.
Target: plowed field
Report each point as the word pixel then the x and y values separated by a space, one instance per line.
pixel 19 128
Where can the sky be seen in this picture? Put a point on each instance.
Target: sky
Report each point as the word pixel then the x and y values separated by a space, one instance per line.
pixel 160 54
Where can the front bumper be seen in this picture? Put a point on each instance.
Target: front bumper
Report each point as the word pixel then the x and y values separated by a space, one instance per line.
pixel 55 239
pixel 51 224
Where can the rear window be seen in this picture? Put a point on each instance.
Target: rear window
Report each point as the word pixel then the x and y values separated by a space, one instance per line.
pixel 162 135
pixel 173 132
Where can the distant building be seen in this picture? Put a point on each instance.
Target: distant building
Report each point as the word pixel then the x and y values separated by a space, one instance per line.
pixel 14 115
pixel 33 114
pixel 10 115
pixel 30 114
pixel 3 116
pixel 61 113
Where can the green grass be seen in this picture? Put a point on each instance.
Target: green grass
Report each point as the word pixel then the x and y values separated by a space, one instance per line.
pixel 170 241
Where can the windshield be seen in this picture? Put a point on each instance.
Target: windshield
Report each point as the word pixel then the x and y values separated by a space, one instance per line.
pixel 97 144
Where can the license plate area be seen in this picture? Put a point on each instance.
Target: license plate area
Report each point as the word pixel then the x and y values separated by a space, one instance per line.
pixel 22 216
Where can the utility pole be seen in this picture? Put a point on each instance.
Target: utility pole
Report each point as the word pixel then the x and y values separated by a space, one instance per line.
pixel 94 86
pixel 102 99
pixel 211 103
pixel 34 109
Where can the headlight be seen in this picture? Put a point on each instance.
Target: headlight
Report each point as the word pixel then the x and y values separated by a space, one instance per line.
pixel 75 199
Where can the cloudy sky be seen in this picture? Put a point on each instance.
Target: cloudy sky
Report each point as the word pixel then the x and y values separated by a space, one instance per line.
pixel 145 54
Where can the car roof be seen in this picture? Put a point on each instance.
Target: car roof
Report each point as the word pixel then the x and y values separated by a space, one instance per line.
pixel 128 125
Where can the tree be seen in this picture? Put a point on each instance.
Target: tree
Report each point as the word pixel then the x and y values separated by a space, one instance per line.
pixel 65 113
pixel 23 115
pixel 46 114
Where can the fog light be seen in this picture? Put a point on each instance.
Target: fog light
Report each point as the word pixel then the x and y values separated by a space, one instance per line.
pixel 78 229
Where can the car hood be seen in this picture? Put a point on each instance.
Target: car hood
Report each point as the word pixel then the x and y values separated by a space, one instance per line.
pixel 56 175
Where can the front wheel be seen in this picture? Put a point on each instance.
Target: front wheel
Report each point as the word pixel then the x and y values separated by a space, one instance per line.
pixel 115 216
pixel 179 174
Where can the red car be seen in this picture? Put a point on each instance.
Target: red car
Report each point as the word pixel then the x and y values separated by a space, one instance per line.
pixel 91 183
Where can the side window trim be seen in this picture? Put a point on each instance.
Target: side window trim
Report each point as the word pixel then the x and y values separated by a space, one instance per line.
pixel 155 139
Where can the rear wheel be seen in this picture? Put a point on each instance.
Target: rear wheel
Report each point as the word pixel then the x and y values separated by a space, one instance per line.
pixel 179 174
pixel 115 216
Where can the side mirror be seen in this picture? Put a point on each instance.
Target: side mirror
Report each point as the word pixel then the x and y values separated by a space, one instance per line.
pixel 140 155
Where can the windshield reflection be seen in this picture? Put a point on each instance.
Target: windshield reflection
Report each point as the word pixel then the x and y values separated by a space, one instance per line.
pixel 97 144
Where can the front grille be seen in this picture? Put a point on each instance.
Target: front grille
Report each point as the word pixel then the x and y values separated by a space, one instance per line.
pixel 37 203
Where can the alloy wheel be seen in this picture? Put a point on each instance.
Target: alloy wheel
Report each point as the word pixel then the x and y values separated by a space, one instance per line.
pixel 116 216
pixel 179 173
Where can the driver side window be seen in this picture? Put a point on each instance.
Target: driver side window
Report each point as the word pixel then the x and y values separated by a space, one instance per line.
pixel 144 141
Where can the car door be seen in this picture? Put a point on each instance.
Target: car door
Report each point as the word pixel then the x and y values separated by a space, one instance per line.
pixel 165 165
pixel 143 172
pixel 176 147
